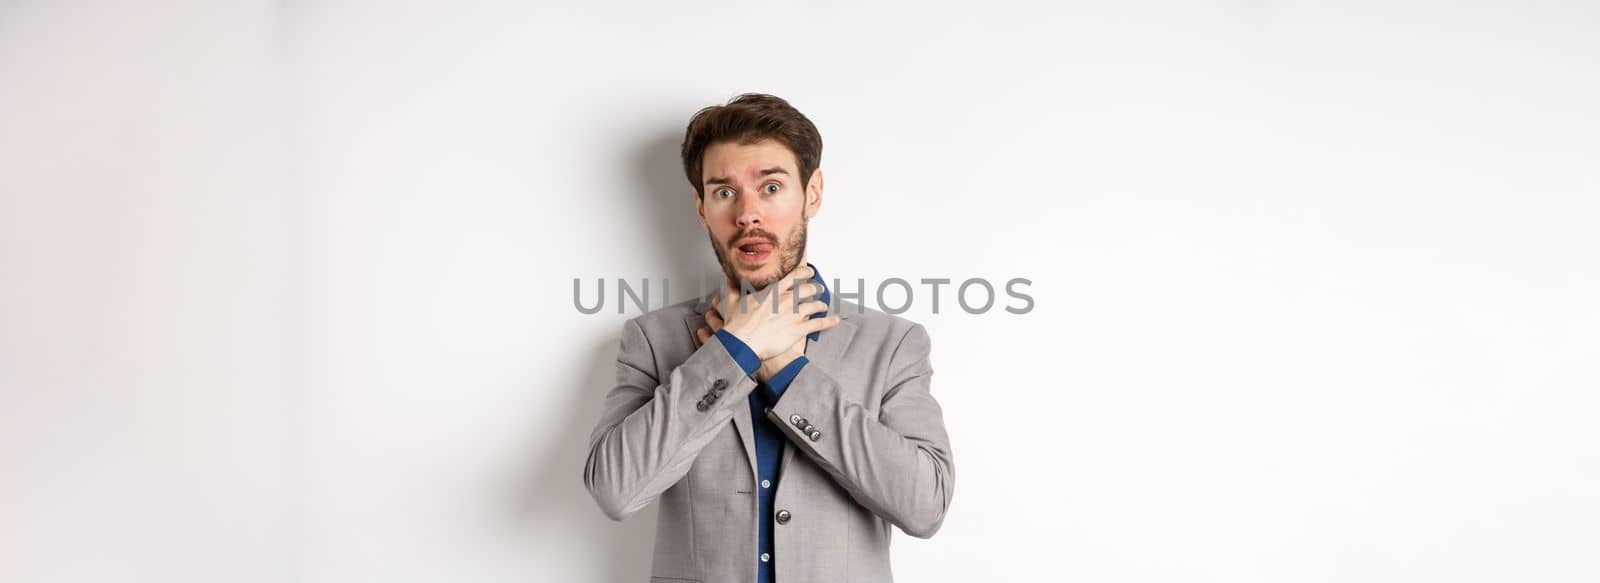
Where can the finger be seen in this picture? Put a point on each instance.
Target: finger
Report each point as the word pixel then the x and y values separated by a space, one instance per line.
pixel 800 287
pixel 797 294
pixel 809 308
pixel 714 320
pixel 802 271
pixel 806 292
pixel 810 291
pixel 819 324
pixel 798 276
pixel 702 335
pixel 802 292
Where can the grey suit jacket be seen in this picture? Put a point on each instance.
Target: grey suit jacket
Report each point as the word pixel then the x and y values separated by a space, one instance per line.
pixel 876 455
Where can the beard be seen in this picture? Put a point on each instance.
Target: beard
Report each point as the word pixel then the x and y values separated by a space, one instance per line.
pixel 788 253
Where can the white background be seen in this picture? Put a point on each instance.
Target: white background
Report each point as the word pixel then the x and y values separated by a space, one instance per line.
pixel 286 288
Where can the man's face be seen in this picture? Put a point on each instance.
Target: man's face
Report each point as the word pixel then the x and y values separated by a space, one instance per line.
pixel 755 210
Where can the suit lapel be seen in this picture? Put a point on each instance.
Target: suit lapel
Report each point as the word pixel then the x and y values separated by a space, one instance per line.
pixel 829 347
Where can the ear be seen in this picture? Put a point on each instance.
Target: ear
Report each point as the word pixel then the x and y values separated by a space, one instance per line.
pixel 700 207
pixel 813 194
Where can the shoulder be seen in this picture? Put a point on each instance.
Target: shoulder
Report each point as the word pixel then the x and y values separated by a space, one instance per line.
pixel 879 326
pixel 666 322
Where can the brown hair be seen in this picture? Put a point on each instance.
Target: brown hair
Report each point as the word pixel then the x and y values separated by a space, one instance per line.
pixel 747 119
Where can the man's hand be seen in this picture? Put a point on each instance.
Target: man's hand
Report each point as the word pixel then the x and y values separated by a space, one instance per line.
pixel 771 366
pixel 713 321
pixel 776 321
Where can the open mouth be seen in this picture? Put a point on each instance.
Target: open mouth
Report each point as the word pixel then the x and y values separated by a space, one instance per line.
pixel 753 251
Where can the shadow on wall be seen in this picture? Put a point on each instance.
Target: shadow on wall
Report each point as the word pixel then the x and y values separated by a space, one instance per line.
pixel 550 495
pixel 666 204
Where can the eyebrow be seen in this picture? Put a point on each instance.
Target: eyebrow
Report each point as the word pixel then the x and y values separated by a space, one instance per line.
pixel 729 180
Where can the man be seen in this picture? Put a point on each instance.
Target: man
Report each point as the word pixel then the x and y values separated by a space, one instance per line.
pixel 719 401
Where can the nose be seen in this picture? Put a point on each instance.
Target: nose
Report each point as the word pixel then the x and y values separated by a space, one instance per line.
pixel 748 213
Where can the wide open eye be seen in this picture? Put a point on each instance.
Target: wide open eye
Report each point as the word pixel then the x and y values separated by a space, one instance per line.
pixel 722 191
pixel 772 187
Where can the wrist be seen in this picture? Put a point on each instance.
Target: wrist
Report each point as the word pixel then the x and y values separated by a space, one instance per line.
pixel 771 366
pixel 742 354
pixel 743 337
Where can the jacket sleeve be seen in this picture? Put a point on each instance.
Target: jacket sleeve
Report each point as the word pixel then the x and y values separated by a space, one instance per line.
pixel 897 463
pixel 650 431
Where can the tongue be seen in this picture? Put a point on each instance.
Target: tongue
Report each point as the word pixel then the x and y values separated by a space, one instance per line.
pixel 756 248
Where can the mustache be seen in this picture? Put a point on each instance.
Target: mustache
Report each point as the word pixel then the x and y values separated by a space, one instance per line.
pixel 771 238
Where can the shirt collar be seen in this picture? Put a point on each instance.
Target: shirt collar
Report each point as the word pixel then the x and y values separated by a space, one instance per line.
pixel 816 276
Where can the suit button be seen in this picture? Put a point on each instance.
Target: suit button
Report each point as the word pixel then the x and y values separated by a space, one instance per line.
pixel 783 517
pixel 815 435
pixel 807 429
pixel 719 385
pixel 795 419
pixel 702 405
